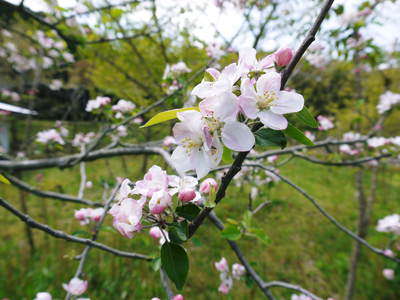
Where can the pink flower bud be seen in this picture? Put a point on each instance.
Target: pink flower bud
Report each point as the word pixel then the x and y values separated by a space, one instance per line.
pixel 224 288
pixel 187 195
pixel 238 271
pixel 207 184
pixel 178 297
pixel 283 56
pixel 388 274
pixel 42 296
pixel 155 233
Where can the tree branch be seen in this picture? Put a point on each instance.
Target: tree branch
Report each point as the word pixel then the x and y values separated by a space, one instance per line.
pixel 62 235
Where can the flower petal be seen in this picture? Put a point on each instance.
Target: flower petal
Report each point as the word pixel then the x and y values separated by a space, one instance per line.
pixel 287 102
pixel 180 159
pixel 273 121
pixel 248 106
pixel 237 136
pixel 270 81
pixel 203 89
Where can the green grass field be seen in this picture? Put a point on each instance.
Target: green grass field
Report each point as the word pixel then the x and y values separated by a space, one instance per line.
pixel 305 248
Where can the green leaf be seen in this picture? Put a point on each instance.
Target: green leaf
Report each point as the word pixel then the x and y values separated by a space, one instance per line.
pixel 231 232
pixel 260 234
pixel 307 118
pixel 166 115
pixel 269 137
pixel 175 262
pixel 4 180
pixel 188 211
pixel 296 134
pixel 227 155
pixel 208 77
pixel 178 232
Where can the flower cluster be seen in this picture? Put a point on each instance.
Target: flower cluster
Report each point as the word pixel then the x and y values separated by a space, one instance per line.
pixel 49 136
pixel 172 74
pixel 226 277
pixel 123 106
pixel 390 224
pixel 97 103
pixel 242 91
pixel 85 215
pixel 387 101
pixel 150 200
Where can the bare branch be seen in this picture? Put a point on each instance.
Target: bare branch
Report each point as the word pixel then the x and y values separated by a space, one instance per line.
pixel 325 213
pixel 62 235
pixel 24 186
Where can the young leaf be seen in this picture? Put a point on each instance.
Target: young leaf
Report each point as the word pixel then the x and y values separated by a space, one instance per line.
pixel 175 263
pixel 178 232
pixel 4 180
pixel 166 115
pixel 231 232
pixel 188 211
pixel 295 133
pixel 260 234
pixel 307 118
pixel 269 137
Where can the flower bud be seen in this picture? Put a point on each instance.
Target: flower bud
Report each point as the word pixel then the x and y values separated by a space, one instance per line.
pixel 187 195
pixel 178 297
pixel 388 252
pixel 283 56
pixel 155 233
pixel 207 184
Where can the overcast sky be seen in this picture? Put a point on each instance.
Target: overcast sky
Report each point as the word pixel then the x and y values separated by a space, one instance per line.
pixel 386 34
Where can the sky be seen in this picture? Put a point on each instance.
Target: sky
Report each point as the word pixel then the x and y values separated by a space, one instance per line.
pixel 209 18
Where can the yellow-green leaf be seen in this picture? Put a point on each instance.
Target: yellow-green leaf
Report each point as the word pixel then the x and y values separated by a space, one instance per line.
pixel 167 115
pixel 4 180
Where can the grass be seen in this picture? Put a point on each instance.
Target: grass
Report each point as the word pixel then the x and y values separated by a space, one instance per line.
pixel 305 248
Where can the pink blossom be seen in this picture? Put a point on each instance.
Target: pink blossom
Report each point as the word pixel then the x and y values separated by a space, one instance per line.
pixel 272 158
pixel 238 271
pixel 179 184
pixel 389 253
pixel 222 82
pixel 138 120
pixel 310 135
pixel 377 141
pixel 169 141
pixel 125 190
pixel 155 298
pixel 176 70
pixel 97 103
pixel 48 136
pixel 122 131
pixel 158 234
pixel 283 56
pixel 389 223
pixel 225 285
pixel 159 201
pixel 83 215
pixel 300 297
pixel 156 179
pixel 222 265
pixel 324 123
pixel 193 152
pixel 81 139
pixel 43 296
pixel 219 118
pixel 207 185
pixel 96 214
pixel 248 62
pixel 124 106
pixel 388 274
pixel 268 102
pixel 76 286
pixel 178 297
pixel 127 216
pixel 387 101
